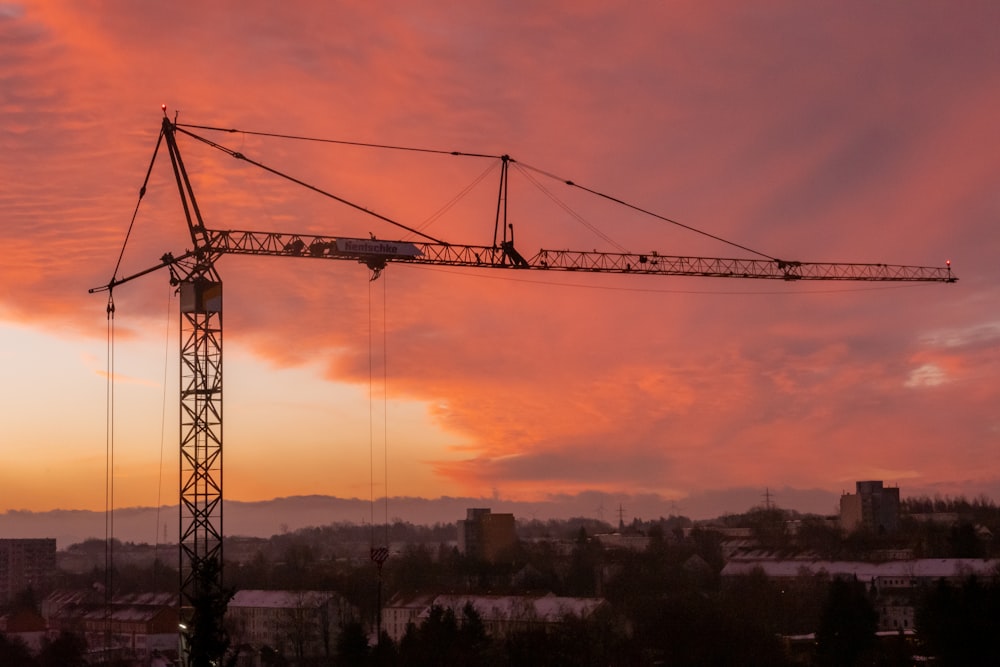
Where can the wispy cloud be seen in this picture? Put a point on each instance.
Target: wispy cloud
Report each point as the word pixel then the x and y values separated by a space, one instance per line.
pixel 124 379
pixel 927 375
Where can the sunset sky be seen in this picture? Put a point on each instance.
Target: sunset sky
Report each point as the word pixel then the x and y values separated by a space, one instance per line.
pixel 844 132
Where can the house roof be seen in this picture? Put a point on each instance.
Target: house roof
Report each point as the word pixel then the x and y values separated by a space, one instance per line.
pixel 24 620
pixel 89 605
pixel 545 608
pixel 923 568
pixel 150 599
pixel 127 613
pixel 60 598
pixel 407 600
pixel 259 599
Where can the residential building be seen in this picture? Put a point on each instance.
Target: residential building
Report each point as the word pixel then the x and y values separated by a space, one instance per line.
pixel 296 624
pixel 24 564
pixel 501 615
pixel 894 585
pixel 138 627
pixel 485 535
pixel 402 610
pixel 623 541
pixel 26 625
pixel 874 506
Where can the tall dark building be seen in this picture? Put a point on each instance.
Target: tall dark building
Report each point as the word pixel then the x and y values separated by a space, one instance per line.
pixel 874 506
pixel 484 535
pixel 26 564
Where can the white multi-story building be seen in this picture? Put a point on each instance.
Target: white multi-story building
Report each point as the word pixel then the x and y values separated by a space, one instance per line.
pixel 293 623
pixel 24 564
pixel 893 583
pixel 501 614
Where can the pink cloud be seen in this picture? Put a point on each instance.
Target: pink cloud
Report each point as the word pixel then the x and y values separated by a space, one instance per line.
pixel 860 134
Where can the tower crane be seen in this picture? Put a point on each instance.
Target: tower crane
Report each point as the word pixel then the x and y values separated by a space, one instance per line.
pixel 199 283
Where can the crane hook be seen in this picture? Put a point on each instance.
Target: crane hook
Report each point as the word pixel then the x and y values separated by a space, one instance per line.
pixel 376 264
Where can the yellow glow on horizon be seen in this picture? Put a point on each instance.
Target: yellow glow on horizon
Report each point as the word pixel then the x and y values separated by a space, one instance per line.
pixel 286 432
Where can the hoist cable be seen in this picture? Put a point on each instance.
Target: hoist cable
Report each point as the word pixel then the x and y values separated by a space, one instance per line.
pixel 385 408
pixel 371 414
pixel 371 428
pixel 163 428
pixel 109 464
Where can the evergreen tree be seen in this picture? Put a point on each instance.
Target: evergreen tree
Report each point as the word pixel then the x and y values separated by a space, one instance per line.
pixel 66 650
pixel 208 640
pixel 14 653
pixel 847 626
pixel 958 625
pixel 352 645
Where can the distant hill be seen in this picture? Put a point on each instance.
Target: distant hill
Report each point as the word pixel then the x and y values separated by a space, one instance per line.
pixel 265 518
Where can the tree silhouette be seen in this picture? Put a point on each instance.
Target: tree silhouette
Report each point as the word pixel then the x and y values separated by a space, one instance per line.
pixel 352 645
pixel 847 625
pixel 66 650
pixel 963 542
pixel 208 640
pixel 958 625
pixel 14 653
pixel 442 640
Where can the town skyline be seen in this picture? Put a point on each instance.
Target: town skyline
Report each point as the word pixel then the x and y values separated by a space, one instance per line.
pixel 851 134
pixel 278 516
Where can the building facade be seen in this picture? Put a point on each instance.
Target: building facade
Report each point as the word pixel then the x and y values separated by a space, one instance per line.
pixel 873 506
pixel 501 615
pixel 485 535
pixel 403 610
pixel 24 564
pixel 138 628
pixel 295 624
pixel 894 586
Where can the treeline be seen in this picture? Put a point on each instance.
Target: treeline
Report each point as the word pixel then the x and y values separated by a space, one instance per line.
pixel 981 508
pixel 928 528
pixel 666 607
pixel 65 650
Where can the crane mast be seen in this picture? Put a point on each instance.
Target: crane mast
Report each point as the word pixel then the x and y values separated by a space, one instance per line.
pixel 200 498
pixel 201 362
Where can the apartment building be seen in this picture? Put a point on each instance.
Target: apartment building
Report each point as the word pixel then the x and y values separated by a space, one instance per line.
pixel 24 564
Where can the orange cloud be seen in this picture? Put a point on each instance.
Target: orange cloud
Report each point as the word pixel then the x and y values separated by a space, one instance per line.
pixel 860 134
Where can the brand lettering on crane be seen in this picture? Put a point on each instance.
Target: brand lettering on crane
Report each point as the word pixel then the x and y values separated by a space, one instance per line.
pixel 376 247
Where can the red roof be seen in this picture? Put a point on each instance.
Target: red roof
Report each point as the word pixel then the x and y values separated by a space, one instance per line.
pixel 25 620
